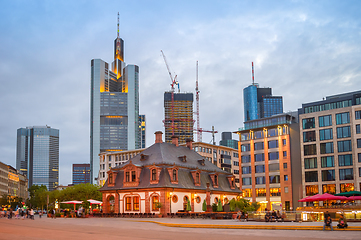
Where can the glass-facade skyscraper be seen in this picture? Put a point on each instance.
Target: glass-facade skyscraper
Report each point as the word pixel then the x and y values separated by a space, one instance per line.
pixel 259 103
pixel 81 173
pixel 114 110
pixel 37 155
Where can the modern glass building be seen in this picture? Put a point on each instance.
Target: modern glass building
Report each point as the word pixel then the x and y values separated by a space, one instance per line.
pixel 259 103
pixel 37 155
pixel 228 141
pixel 81 173
pixel 142 130
pixel 114 110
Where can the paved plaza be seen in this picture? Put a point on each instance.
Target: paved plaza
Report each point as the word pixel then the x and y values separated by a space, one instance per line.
pixel 125 228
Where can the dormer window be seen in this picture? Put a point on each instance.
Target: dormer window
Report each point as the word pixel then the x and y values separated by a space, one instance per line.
pixel 110 178
pixel 201 162
pixel 183 158
pixel 143 157
pixel 134 178
pixel 216 180
pixel 127 177
pixel 175 175
pixel 197 178
pixel 154 175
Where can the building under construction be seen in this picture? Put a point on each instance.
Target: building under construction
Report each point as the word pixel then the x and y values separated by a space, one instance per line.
pixel 180 123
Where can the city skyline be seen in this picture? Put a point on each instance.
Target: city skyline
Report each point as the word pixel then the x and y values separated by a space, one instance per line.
pixel 296 48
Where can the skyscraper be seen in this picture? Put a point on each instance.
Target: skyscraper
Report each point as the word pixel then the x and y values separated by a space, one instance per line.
pixel 37 155
pixel 228 141
pixel 142 130
pixel 114 117
pixel 259 103
pixel 182 116
pixel 81 173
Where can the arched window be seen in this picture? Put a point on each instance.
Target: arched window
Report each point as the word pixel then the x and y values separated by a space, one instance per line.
pixel 154 174
pixel 197 177
pixel 174 175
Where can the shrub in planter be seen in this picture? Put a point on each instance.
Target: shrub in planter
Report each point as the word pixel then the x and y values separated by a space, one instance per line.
pixel 57 214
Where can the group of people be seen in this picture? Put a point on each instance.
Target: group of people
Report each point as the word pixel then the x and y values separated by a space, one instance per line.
pixel 342 222
pixel 273 216
pixel 18 213
pixel 242 216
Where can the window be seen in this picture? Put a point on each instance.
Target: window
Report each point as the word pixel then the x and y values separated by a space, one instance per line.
pixel 284 142
pixel 235 163
pixel 260 192
pixel 284 154
pixel 258 134
pixel 155 200
pixel 326 148
pixel 246 158
pixel 346 174
pixel 197 177
pixel 359 172
pixel 246 170
pixel 258 146
pixel 326 134
pixel 273 144
pixel 309 149
pixel 215 180
pixel 342 118
pixel 273 156
pixel 260 180
pixel 128 204
pixel 135 203
pixel 327 161
pixel 273 167
pixel 245 147
pixel 325 121
pixel 310 163
pixel 359 157
pixel 259 157
pixel 286 189
pixel 133 176
pixel 247 181
pixel 247 192
pixel 275 192
pixel 358 143
pixel 285 165
pixel 274 179
pixel 236 171
pixel 259 169
pixel 285 177
pixel 358 131
pixel 343 132
pixel 174 175
pixel 311 176
pixel 347 187
pixel 344 146
pixel 154 174
pixel 358 114
pixel 311 190
pixel 345 160
pixel 127 178
pixel 272 132
pixel 328 175
pixel 245 137
pixel 111 178
pixel 309 136
pixel 329 188
pixel 308 123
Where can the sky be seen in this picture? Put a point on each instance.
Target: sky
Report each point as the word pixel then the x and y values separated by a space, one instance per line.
pixel 303 50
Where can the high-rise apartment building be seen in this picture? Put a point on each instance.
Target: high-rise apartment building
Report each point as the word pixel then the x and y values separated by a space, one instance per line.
pixel 114 117
pixel 37 155
pixel 181 114
pixel 269 161
pixel 12 183
pixel 228 141
pixel 81 173
pixel 331 144
pixel 259 103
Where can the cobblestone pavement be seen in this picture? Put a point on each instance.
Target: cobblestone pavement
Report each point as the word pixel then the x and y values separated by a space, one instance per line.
pixel 120 228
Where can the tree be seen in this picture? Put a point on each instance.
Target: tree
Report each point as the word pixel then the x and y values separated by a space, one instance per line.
pixel 189 208
pixel 204 206
pixel 232 205
pixel 36 194
pixel 219 206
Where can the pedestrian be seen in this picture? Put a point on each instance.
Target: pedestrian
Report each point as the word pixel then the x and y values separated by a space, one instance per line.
pixel 32 214
pixel 22 214
pixel 54 214
pixel 328 223
pixel 238 217
pixel 267 216
pixel 342 222
pixel 40 213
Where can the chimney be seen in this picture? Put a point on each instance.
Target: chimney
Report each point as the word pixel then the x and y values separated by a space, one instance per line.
pixel 158 137
pixel 175 140
pixel 189 143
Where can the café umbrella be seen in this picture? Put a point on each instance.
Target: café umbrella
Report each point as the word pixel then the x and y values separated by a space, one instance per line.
pixel 73 202
pixel 351 193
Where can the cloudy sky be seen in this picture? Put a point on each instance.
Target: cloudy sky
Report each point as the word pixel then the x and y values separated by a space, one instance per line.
pixel 304 50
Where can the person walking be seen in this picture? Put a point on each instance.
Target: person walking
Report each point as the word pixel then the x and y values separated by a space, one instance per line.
pixel 32 214
pixel 40 213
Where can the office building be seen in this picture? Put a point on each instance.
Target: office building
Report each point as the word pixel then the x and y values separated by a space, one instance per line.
pixel 331 144
pixel 142 130
pixel 37 155
pixel 179 117
pixel 114 117
pixel 259 103
pixel 225 158
pixel 269 161
pixel 81 173
pixel 228 141
pixel 12 182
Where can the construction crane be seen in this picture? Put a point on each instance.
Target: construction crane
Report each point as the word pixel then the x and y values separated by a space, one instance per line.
pixel 199 130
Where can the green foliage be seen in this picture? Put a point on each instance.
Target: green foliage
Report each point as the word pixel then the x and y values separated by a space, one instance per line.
pixel 189 208
pixel 232 205
pixel 219 206
pixel 204 206
pixel 158 205
pixel 245 206
pixel 214 207
pixel 37 196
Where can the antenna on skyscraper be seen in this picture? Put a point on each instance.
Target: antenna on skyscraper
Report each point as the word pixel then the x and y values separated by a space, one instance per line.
pixel 118 26
pixel 252 75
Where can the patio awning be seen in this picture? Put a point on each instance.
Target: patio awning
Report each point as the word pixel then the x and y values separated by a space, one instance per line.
pixel 351 193
pixel 94 201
